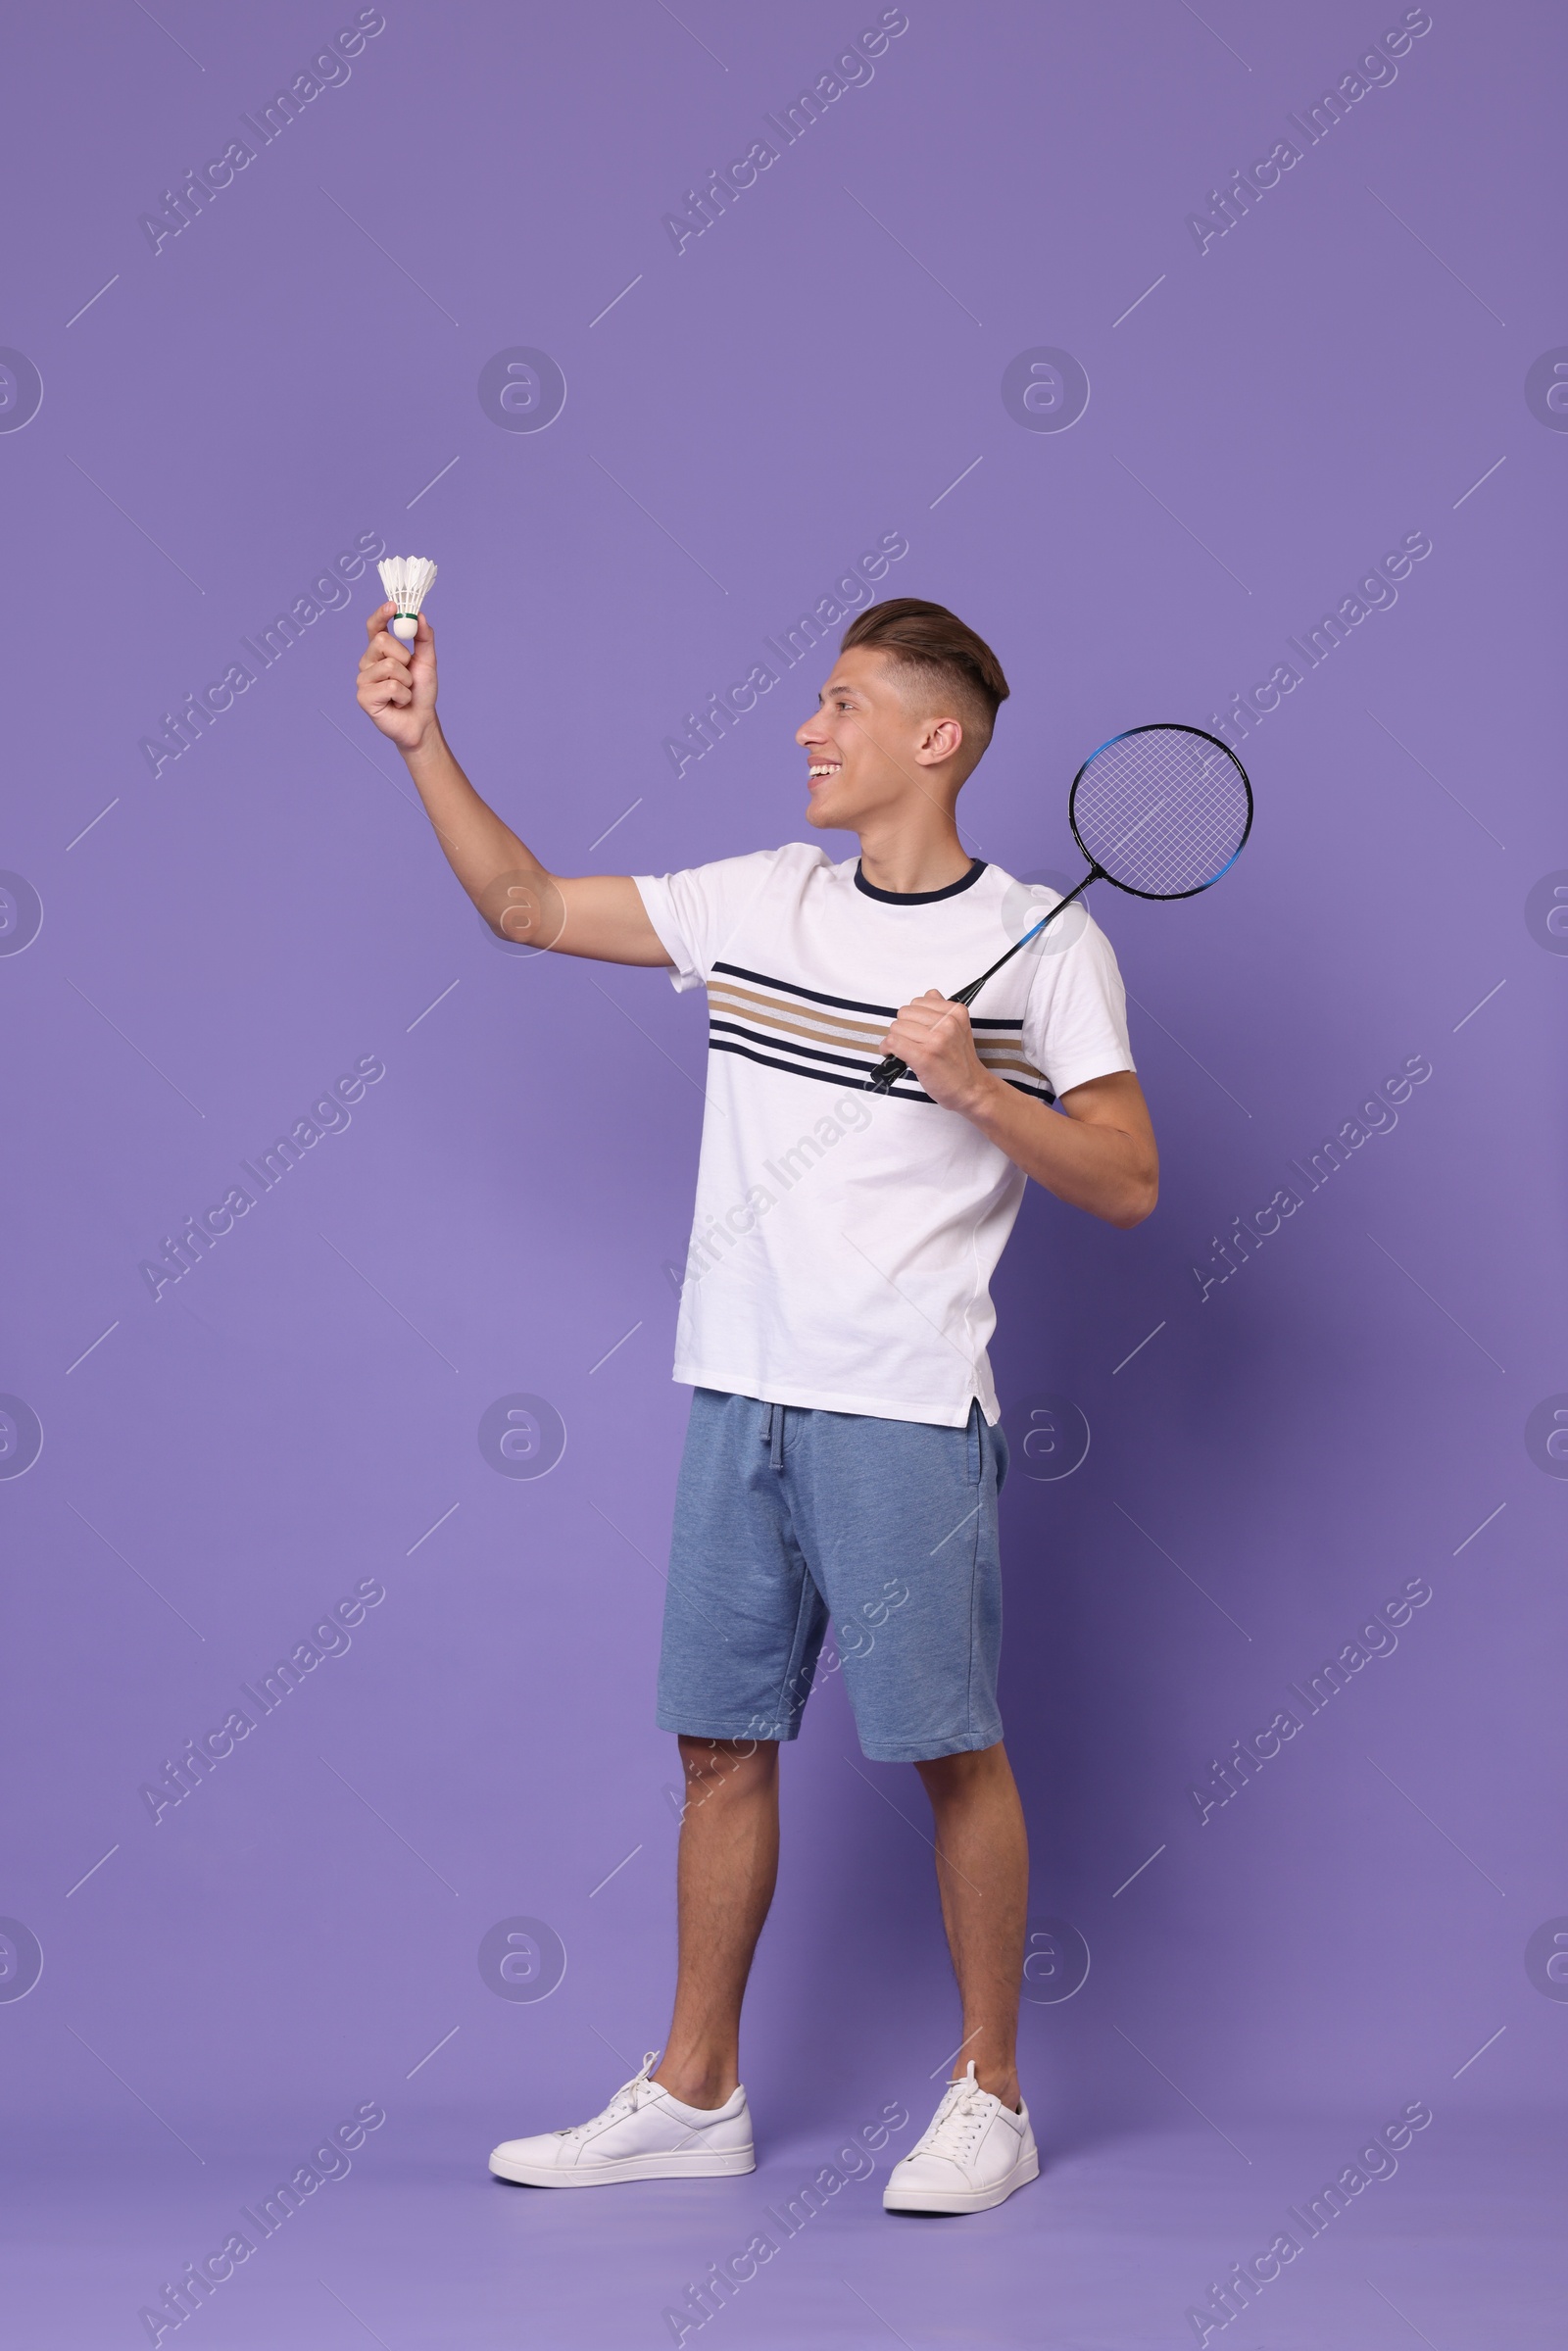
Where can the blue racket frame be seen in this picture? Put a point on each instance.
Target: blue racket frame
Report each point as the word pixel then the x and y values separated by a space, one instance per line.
pixel 887 1072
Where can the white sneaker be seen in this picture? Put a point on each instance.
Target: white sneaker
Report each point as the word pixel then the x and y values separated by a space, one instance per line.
pixel 643 2133
pixel 977 2152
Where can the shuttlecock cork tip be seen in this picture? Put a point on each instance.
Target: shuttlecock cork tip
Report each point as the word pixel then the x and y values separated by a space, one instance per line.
pixel 406 581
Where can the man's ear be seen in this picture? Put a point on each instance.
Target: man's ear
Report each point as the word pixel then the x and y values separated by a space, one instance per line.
pixel 940 742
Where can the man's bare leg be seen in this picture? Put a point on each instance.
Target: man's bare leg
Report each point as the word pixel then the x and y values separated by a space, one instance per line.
pixel 725 1874
pixel 983 1876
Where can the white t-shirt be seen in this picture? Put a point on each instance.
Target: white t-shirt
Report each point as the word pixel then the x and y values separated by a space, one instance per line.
pixel 843 1241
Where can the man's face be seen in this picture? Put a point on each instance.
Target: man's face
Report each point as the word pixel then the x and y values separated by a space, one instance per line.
pixel 873 744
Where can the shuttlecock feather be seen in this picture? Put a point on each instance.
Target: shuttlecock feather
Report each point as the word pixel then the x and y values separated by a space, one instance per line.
pixel 407 579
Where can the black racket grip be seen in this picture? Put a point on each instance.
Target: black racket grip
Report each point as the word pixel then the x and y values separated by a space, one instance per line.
pixel 887 1072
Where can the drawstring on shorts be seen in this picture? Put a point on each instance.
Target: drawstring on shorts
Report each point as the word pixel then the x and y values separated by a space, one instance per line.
pixel 773 1435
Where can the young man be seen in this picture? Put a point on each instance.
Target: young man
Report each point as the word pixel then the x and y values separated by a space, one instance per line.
pixel 845 1450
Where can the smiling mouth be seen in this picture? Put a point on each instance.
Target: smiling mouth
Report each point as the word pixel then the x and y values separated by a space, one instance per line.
pixel 820 770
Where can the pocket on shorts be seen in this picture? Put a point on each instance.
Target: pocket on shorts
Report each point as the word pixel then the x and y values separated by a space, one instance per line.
pixel 980 1437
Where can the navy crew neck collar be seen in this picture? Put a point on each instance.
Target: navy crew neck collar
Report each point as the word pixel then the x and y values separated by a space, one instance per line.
pixel 918 897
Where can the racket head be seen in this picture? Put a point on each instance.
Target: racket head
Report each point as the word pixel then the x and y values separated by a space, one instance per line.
pixel 1161 810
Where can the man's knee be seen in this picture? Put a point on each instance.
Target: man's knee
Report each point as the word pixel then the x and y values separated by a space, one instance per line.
pixel 955 1775
pixel 743 1765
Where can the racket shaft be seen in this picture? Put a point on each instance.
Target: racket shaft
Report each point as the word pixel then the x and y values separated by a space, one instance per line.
pixel 890 1069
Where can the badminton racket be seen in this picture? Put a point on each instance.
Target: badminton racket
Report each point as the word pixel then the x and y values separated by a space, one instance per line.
pixel 1160 812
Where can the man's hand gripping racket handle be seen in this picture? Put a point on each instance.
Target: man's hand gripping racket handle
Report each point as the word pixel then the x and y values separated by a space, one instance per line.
pixel 887 1073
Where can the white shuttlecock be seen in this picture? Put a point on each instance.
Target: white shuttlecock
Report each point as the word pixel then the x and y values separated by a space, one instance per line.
pixel 407 579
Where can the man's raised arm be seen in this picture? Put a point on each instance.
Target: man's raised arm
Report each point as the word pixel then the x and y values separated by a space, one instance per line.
pixel 598 915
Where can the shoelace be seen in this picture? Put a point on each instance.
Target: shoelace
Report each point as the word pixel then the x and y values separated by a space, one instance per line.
pixel 626 2100
pixel 963 2114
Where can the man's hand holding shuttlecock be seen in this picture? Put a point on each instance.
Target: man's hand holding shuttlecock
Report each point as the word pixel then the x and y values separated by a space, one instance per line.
pixel 397 682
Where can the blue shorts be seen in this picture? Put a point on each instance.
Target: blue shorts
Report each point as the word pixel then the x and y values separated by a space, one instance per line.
pixel 785 1515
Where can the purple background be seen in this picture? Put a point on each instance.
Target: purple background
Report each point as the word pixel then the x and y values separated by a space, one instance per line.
pixel 299 365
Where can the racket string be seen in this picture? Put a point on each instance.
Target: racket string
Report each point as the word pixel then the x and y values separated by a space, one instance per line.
pixel 1161 811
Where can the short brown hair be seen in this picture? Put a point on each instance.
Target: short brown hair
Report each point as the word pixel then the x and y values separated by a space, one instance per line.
pixel 927 638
